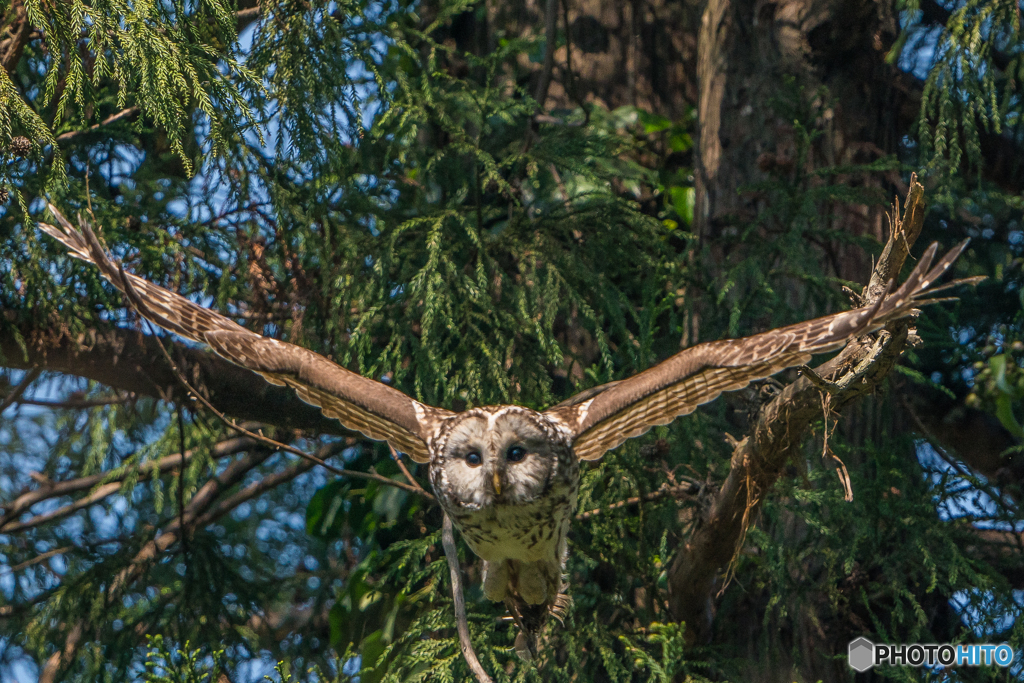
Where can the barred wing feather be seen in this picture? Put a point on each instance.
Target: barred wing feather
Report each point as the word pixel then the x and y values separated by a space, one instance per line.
pixel 604 417
pixel 372 408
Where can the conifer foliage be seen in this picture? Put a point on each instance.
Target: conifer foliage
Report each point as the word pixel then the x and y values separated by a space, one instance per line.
pixel 430 194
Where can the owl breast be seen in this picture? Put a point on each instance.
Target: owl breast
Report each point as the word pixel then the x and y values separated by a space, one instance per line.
pixel 528 533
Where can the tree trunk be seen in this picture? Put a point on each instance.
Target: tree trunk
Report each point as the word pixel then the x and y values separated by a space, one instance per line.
pixel 751 64
pixel 752 55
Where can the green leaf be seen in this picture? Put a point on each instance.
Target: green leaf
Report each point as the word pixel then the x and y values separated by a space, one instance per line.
pixel 325 513
pixel 371 649
pixel 1006 398
pixel 388 505
pixel 653 123
pixel 680 141
pixel 682 199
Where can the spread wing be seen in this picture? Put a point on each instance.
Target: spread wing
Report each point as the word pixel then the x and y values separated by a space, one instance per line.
pixel 605 416
pixel 372 408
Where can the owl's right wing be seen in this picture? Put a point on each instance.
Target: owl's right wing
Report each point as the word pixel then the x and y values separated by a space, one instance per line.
pixel 602 418
pixel 376 410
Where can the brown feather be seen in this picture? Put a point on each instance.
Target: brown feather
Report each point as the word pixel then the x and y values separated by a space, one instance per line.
pixel 603 417
pixel 376 410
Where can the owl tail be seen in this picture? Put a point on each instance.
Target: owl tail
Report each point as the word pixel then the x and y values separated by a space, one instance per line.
pixel 530 620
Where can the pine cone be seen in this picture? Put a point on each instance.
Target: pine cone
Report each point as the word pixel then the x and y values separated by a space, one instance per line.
pixel 4 195
pixel 20 146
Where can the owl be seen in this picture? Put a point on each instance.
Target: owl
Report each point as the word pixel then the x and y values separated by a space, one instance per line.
pixel 508 476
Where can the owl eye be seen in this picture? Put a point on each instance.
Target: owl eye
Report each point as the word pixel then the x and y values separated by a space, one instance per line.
pixel 515 454
pixel 473 459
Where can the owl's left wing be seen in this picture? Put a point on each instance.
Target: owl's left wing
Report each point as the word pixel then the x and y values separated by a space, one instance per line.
pixel 380 412
pixel 603 417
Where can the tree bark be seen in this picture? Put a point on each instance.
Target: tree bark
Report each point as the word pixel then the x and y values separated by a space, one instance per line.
pixel 758 460
pixel 130 361
pixel 752 56
pixel 17 30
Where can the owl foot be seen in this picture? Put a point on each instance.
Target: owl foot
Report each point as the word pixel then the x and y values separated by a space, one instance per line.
pixel 559 607
pixel 533 586
pixel 495 580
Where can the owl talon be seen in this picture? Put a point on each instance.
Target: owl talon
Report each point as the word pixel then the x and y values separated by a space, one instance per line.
pixel 559 607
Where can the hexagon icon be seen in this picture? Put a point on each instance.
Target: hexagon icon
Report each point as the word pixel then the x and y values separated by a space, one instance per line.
pixel 862 654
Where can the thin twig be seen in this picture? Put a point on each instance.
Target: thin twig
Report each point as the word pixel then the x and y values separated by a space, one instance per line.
pixel 688 489
pixel 56 489
pixel 265 484
pixel 405 470
pixel 448 541
pixel 820 383
pixel 123 114
pixel 39 558
pixel 30 376
pixel 77 405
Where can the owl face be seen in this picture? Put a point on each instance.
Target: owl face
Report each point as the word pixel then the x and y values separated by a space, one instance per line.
pixel 497 456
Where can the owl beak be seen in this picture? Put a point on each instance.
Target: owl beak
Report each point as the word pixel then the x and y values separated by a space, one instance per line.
pixel 497 484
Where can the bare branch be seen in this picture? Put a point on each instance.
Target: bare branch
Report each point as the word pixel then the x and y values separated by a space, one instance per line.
pixel 245 16
pixel 145 471
pixel 172 533
pixel 905 232
pixel 691 488
pixel 77 405
pixel 130 361
pixel 248 12
pixel 30 376
pixel 448 541
pixel 18 31
pixel 266 484
pixel 62 512
pixel 759 459
pixel 113 118
pixel 40 558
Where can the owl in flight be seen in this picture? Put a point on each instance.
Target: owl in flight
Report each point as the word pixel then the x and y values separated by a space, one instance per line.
pixel 508 476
